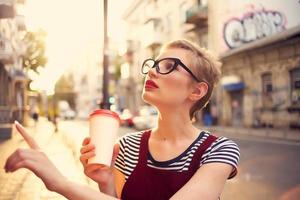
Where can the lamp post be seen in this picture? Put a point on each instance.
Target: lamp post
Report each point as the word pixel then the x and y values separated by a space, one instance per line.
pixel 105 101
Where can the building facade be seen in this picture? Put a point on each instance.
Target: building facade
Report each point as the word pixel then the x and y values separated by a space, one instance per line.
pixel 13 81
pixel 258 42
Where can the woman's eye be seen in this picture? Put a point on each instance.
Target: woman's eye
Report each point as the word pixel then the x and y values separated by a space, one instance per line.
pixel 168 66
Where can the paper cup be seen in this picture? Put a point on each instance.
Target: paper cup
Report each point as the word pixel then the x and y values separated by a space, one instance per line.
pixel 104 125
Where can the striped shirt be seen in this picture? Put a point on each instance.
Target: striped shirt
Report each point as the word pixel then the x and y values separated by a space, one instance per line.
pixel 223 150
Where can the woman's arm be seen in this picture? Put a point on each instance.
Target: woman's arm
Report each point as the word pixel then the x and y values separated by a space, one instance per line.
pixel 207 183
pixel 37 161
pixel 74 191
pixel 119 182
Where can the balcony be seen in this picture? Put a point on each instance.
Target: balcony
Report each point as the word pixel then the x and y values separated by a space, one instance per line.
pixel 7 9
pixel 6 51
pixel 153 41
pixel 197 15
pixel 152 37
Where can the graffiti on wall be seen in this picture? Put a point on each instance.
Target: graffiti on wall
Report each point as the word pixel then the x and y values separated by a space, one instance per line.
pixel 252 26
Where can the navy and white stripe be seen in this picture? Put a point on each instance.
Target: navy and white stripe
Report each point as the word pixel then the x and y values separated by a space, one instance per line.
pixel 222 150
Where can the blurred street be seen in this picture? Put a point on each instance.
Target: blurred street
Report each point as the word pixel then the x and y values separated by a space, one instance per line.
pixel 58 65
pixel 23 184
pixel 62 148
pixel 258 177
pixel 268 170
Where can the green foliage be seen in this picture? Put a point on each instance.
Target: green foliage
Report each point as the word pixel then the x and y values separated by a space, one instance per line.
pixel 117 62
pixel 65 84
pixel 35 52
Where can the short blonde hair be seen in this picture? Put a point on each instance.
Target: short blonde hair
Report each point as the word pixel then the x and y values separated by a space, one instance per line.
pixel 205 67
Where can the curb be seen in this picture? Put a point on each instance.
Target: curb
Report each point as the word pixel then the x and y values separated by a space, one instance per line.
pixel 261 134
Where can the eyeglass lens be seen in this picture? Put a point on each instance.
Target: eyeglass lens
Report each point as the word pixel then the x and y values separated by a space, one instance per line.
pixel 164 66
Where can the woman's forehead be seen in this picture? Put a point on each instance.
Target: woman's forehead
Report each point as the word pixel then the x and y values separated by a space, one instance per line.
pixel 182 54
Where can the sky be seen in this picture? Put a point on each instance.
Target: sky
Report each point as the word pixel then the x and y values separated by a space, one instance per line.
pixel 71 25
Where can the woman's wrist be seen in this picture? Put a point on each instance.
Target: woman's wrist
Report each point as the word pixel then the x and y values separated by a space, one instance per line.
pixel 62 185
pixel 107 188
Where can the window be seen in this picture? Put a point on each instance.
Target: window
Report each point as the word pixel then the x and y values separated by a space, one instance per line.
pixel 267 89
pixel 295 86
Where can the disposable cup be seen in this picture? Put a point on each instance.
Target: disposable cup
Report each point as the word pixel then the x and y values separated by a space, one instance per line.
pixel 103 129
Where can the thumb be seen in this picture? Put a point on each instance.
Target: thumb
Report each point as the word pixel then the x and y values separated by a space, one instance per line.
pixel 29 140
pixel 115 154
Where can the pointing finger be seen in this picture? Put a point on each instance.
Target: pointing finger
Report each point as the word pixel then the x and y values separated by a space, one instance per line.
pixel 86 141
pixel 29 140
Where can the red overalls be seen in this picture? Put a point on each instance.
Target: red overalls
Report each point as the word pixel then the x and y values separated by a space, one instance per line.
pixel 146 183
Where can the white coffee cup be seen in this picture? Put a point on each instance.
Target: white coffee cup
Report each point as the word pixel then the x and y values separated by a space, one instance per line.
pixel 104 125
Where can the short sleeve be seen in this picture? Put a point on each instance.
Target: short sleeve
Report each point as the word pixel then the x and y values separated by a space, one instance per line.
pixel 120 161
pixel 223 150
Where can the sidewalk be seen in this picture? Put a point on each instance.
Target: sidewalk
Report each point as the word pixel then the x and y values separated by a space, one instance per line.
pixel 285 135
pixel 24 185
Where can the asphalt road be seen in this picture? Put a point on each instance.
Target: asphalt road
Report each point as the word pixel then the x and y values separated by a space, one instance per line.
pixel 267 171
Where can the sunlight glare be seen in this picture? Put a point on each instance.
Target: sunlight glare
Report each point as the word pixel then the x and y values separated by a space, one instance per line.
pixel 71 26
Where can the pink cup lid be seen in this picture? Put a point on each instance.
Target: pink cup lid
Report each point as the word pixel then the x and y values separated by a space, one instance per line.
pixel 108 113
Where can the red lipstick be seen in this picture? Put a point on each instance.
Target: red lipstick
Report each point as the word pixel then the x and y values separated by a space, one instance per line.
pixel 150 84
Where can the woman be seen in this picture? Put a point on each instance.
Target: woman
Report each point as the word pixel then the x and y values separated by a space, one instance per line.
pixel 174 160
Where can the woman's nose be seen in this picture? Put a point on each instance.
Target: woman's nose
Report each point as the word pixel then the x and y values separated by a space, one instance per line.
pixel 152 72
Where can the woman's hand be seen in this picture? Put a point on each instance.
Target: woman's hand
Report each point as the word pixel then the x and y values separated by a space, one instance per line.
pixel 36 161
pixel 103 176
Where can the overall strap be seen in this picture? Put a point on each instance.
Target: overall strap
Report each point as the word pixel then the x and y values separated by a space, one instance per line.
pixel 144 148
pixel 200 151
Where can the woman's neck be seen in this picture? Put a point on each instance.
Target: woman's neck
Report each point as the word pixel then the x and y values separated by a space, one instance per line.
pixel 174 126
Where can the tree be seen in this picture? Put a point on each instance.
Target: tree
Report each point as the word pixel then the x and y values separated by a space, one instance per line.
pixel 117 62
pixel 35 52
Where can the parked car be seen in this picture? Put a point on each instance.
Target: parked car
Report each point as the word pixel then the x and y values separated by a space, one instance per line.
pixel 65 111
pixel 126 118
pixel 147 118
pixel 68 114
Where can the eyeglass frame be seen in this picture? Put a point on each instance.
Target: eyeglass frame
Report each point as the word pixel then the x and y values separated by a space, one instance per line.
pixel 177 62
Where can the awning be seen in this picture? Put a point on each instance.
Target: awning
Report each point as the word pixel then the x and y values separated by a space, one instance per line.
pixel 234 86
pixel 6 9
pixel 232 83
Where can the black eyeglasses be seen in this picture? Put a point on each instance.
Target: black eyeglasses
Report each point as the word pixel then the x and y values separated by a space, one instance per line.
pixel 165 66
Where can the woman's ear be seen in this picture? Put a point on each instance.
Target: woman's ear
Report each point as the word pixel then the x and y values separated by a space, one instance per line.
pixel 199 90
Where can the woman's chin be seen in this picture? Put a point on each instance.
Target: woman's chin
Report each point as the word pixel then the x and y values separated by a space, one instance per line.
pixel 148 98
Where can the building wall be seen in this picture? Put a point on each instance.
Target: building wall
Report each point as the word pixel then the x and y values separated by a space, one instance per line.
pixel 244 107
pixel 234 23
pixel 13 101
pixel 278 59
